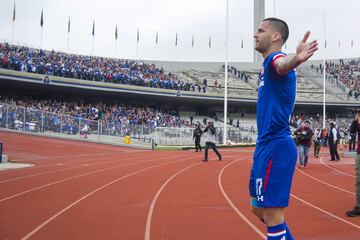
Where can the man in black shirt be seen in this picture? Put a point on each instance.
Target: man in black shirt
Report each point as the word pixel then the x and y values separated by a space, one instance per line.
pixel 355 127
pixel 197 137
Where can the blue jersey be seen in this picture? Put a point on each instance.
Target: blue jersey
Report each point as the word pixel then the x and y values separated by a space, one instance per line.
pixel 276 99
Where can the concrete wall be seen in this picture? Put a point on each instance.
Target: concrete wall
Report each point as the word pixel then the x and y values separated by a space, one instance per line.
pixel 203 66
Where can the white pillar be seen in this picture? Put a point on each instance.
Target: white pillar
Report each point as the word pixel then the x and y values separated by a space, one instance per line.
pixel 226 72
pixel 259 15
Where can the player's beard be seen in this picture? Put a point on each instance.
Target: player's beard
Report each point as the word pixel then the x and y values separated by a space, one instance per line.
pixel 263 46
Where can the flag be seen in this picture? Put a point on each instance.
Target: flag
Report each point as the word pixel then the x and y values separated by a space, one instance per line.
pixel 352 43
pixel 14 13
pixel 69 25
pixel 42 19
pixel 93 29
pixel 157 37
pixel 137 35
pixel 339 43
pixel 325 44
pixel 176 40
pixel 192 41
pixel 242 43
pixel 209 42
pixel 116 33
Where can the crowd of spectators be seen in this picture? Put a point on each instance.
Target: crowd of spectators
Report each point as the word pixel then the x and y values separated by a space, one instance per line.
pixel 242 75
pixel 346 73
pixel 342 120
pixel 71 115
pixel 91 68
pixel 342 123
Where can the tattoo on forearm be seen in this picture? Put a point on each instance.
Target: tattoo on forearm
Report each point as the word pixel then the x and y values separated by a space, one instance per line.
pixel 287 64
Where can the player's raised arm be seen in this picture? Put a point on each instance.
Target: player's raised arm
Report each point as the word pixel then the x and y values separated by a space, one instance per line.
pixel 304 51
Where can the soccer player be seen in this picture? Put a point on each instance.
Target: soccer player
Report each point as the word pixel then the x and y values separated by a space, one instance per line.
pixel 275 154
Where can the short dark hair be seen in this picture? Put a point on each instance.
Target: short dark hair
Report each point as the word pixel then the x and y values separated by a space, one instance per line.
pixel 307 121
pixel 280 26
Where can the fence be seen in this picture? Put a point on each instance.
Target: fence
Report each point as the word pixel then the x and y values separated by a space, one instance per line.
pixel 74 127
pixel 184 136
pixel 47 123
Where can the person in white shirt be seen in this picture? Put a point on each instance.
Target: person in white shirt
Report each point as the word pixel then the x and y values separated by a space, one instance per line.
pixel 342 139
pixel 317 145
pixel 85 131
pixel 333 141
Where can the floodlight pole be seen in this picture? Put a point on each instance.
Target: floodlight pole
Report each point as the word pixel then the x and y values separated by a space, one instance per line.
pixel 324 75
pixel 12 34
pixel 226 72
pixel 68 43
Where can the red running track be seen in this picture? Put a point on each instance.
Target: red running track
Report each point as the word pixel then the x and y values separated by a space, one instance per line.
pixel 91 191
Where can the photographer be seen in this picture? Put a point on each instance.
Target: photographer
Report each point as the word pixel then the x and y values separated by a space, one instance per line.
pixel 355 127
pixel 352 139
pixel 211 141
pixel 303 139
pixel 197 137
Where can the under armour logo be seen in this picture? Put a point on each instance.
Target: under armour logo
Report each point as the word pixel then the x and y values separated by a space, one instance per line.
pixel 259 185
pixel 261 199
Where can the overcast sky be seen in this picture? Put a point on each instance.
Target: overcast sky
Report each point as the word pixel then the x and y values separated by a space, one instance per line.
pixel 201 18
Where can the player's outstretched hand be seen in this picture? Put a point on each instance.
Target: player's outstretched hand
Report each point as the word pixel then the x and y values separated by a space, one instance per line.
pixel 305 50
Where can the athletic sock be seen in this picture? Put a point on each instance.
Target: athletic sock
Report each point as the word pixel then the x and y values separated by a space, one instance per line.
pixel 288 233
pixel 277 232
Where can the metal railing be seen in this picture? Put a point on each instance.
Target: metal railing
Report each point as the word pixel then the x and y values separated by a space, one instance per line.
pixel 77 127
pixel 184 136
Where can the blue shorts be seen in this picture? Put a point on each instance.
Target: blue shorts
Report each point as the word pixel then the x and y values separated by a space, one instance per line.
pixel 272 173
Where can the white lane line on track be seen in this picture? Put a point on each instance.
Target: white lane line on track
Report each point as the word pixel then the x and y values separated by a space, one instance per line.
pixel 238 150
pixel 152 205
pixel 292 195
pixel 328 184
pixel 325 212
pixel 39 174
pixel 66 163
pixel 51 158
pixel 246 220
pixel 77 176
pixel 68 168
pixel 74 156
pixel 66 179
pixel 335 169
pixel 54 171
pixel 39 227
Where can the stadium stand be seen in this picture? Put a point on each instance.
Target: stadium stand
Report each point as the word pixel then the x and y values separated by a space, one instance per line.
pixel 141 120
pixel 101 69
pixel 106 112
pixel 83 118
pixel 346 75
pixel 342 77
